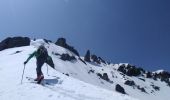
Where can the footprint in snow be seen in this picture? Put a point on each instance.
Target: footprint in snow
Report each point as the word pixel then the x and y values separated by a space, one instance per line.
pixel 1 92
pixel 50 96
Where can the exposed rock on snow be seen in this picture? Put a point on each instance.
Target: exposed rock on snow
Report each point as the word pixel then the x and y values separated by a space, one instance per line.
pixel 67 57
pixel 14 42
pixel 87 56
pixel 62 42
pixel 130 70
pixel 120 89
pixel 130 83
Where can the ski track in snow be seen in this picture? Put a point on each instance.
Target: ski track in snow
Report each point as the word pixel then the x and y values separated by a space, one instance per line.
pixel 71 94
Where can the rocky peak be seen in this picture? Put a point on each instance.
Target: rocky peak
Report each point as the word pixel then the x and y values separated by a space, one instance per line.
pixel 62 42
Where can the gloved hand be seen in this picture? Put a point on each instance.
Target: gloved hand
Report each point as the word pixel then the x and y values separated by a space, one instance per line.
pixel 25 62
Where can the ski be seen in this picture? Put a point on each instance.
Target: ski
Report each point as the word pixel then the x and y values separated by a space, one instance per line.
pixel 42 82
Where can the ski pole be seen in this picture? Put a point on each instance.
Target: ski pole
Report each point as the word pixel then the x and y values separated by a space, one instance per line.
pixel 23 74
pixel 47 69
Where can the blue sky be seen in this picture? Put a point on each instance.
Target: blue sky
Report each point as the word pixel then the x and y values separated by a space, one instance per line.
pixel 133 31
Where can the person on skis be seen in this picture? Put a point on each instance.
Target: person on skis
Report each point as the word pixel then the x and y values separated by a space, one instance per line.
pixel 42 57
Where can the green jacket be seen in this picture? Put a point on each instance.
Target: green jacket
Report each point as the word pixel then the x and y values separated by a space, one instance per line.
pixel 37 55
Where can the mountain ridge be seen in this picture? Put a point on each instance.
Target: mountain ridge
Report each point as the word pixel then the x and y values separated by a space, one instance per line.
pixel 123 78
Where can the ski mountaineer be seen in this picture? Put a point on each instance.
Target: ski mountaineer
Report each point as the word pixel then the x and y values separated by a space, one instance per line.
pixel 42 57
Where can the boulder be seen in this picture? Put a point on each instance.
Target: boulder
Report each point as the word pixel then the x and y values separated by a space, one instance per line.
pixel 100 75
pixel 130 83
pixel 141 88
pixel 104 76
pixel 120 89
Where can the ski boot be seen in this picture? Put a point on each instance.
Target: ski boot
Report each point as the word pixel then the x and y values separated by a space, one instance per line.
pixel 39 79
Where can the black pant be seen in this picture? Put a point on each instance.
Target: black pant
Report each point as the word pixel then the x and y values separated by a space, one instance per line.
pixel 40 63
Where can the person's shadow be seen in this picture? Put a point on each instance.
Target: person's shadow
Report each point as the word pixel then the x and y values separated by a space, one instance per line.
pixel 54 81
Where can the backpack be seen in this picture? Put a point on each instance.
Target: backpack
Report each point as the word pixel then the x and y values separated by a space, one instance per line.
pixel 42 52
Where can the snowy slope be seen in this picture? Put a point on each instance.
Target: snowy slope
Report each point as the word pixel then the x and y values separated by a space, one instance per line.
pixel 60 87
pixel 72 80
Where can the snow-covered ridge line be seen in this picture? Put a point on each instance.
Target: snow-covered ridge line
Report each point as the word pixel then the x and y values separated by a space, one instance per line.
pixel 90 79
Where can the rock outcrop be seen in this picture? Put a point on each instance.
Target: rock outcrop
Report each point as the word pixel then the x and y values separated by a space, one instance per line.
pixel 11 42
pixel 62 42
pixel 120 89
pixel 87 56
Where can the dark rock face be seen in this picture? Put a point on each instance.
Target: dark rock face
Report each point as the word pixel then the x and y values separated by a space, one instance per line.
pixel 62 42
pixel 164 76
pixel 130 70
pixel 87 56
pixel 133 71
pixel 142 89
pixel 101 60
pixel 148 75
pixel 95 59
pixel 100 75
pixel 155 87
pixel 14 42
pixel 122 69
pixel 104 77
pixel 130 83
pixel 120 89
pixel 47 41
pixel 67 57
